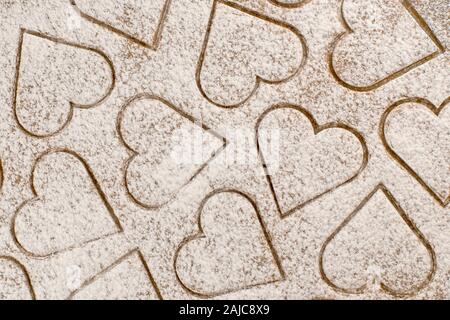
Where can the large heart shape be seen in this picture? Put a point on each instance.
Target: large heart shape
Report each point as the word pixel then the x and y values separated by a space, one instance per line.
pixel 69 208
pixel 416 134
pixel 15 283
pixel 378 247
pixel 372 52
pixel 128 278
pixel 243 48
pixel 140 21
pixel 232 250
pixel 55 76
pixel 170 148
pixel 311 159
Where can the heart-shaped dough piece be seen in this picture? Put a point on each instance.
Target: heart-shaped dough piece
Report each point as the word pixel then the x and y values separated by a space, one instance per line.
pixel 310 160
pixel 69 208
pixel 140 21
pixel 170 149
pixel 53 77
pixel 378 247
pixel 15 283
pixel 243 48
pixel 416 134
pixel 128 278
pixel 373 51
pixel 232 250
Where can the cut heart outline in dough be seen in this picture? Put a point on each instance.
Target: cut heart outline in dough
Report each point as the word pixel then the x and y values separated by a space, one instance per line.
pixel 258 79
pixel 436 111
pixel 200 237
pixel 21 268
pixel 67 114
pixel 40 200
pixel 136 188
pixel 106 273
pixel 381 188
pixel 380 82
pixel 156 38
pixel 317 129
pixel 289 4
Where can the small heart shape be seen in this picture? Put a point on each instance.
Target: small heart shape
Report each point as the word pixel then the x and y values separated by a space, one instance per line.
pixel 140 21
pixel 416 134
pixel 128 278
pixel 232 250
pixel 311 159
pixel 69 208
pixel 372 52
pixel 15 283
pixel 55 76
pixel 163 141
pixel 243 48
pixel 378 244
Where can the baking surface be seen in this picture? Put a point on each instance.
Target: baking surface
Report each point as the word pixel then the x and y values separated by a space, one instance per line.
pixel 254 149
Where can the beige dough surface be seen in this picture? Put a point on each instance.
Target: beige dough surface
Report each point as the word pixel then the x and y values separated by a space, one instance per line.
pixel 224 149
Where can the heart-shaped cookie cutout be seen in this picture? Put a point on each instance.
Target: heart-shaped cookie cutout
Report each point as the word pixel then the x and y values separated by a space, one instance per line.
pixel 289 3
pixel 15 283
pixel 69 208
pixel 140 21
pixel 243 48
pixel 128 278
pixel 170 149
pixel 378 247
pixel 416 134
pixel 53 77
pixel 372 52
pixel 232 250
pixel 311 159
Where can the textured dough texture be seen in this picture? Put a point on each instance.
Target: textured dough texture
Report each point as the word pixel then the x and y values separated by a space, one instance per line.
pixel 215 149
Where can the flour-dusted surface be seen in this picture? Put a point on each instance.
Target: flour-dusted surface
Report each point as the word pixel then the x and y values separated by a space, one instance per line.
pixel 263 149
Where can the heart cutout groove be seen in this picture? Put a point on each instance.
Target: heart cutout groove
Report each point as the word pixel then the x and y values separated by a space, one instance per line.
pixel 349 72
pixel 129 271
pixel 220 80
pixel 291 4
pixel 68 210
pixel 119 16
pixel 377 246
pixel 53 77
pixel 413 147
pixel 233 249
pixel 11 288
pixel 298 182
pixel 149 126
